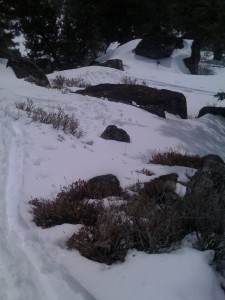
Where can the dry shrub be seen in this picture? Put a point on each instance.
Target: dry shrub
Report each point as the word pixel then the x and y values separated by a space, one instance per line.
pixel 204 69
pixel 174 157
pixel 106 242
pixel 140 222
pixel 137 224
pixel 71 204
pixel 146 172
pixel 57 118
pixel 132 81
pixel 59 211
pixel 129 80
pixel 220 96
pixel 84 190
pixel 60 82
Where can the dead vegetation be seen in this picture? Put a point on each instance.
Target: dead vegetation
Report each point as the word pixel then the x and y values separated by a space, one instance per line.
pixel 174 157
pixel 55 117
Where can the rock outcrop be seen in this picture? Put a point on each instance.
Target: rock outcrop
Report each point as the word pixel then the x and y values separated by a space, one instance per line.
pixel 111 63
pixel 218 111
pixel 158 45
pixel 25 68
pixel 143 96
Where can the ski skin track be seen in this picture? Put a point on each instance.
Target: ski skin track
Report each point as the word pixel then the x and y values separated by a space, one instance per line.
pixel 26 254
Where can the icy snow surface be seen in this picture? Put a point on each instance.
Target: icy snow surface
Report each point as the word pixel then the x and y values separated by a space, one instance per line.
pixel 37 160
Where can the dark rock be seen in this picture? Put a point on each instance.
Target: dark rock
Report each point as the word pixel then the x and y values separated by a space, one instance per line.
pixel 218 111
pixel 25 68
pixel 158 45
pixel 212 157
pixel 155 110
pixel 208 181
pixel 192 62
pixel 105 186
pixel 10 54
pixel 112 132
pixel 170 101
pixel 111 63
pixel 204 202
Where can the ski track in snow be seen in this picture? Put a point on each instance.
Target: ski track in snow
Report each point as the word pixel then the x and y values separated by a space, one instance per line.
pixel 27 272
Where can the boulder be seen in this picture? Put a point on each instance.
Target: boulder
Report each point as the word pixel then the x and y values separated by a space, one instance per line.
pixel 111 63
pixel 155 110
pixel 204 202
pixel 10 53
pixel 208 181
pixel 158 45
pixel 104 186
pixel 212 157
pixel 25 68
pixel 218 111
pixel 112 132
pixel 192 62
pixel 144 96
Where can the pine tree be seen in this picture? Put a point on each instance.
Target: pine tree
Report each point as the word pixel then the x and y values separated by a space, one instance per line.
pixel 8 26
pixel 40 21
pixel 80 37
pixel 204 21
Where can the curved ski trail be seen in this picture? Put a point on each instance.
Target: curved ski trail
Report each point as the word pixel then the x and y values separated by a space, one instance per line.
pixel 27 272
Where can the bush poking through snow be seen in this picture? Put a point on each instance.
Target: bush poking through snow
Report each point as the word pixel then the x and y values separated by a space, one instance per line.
pixel 132 81
pixel 204 69
pixel 146 172
pixel 140 221
pixel 128 80
pixel 59 211
pixel 61 82
pixel 174 157
pixel 57 118
pixel 220 96
pixel 137 224
pixel 71 205
pixel 106 242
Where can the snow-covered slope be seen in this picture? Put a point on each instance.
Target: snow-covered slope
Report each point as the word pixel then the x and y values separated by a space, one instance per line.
pixel 36 160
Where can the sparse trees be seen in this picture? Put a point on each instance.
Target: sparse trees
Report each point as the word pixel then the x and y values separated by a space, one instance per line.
pixel 8 26
pixel 63 34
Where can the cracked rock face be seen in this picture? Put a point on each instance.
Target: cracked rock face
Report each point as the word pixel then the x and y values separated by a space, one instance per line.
pixel 208 181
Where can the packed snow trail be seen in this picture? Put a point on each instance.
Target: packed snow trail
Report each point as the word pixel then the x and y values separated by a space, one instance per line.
pixel 27 272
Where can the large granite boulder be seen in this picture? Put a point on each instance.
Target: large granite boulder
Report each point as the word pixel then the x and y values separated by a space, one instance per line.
pixel 104 186
pixel 155 110
pixel 204 202
pixel 158 45
pixel 111 63
pixel 192 62
pixel 166 100
pixel 213 157
pixel 25 68
pixel 112 132
pixel 208 181
pixel 218 111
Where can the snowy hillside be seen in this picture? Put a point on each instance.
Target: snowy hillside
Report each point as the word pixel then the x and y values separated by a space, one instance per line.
pixel 36 160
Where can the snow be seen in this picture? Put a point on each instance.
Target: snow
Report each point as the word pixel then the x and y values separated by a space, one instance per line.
pixel 37 160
